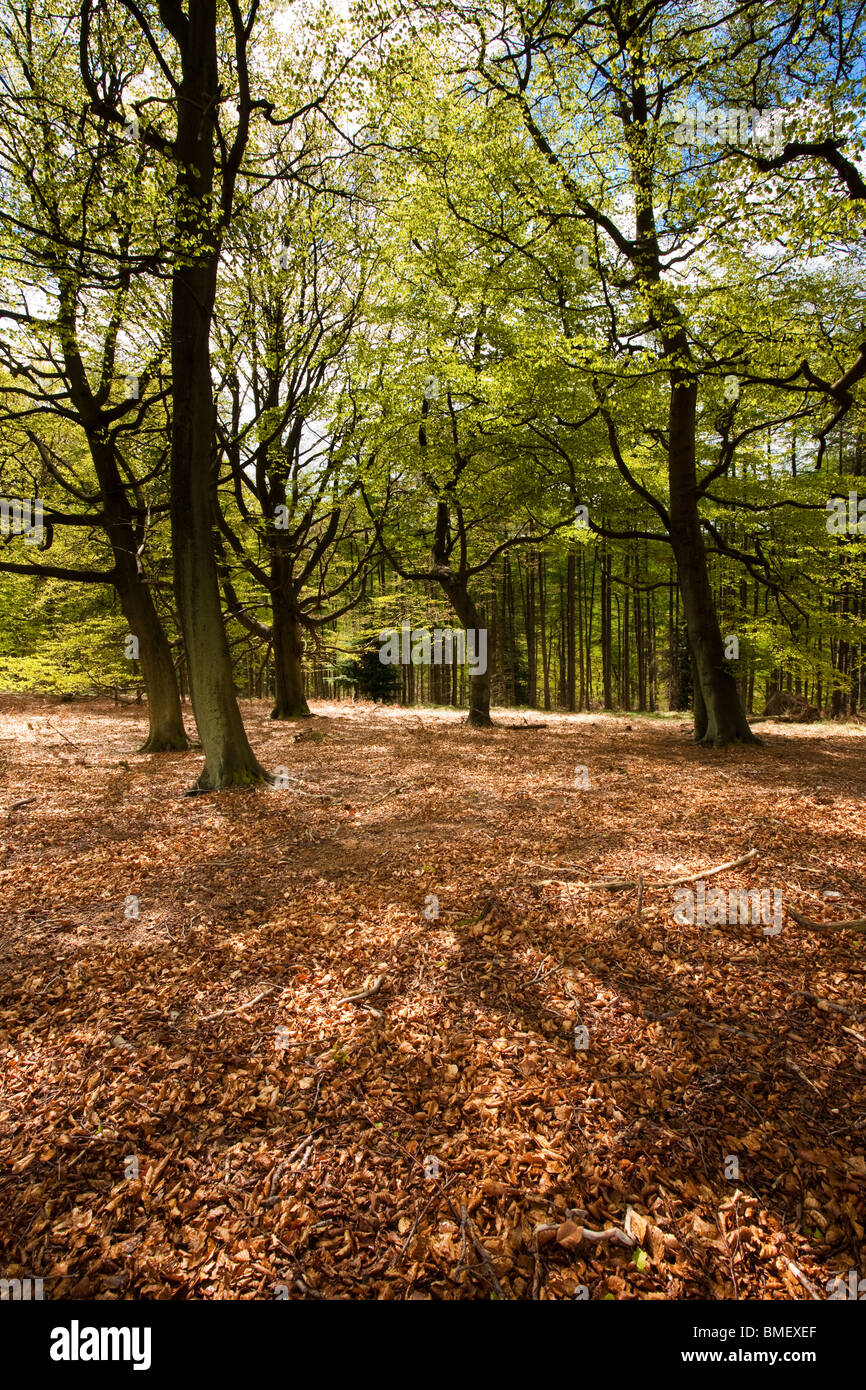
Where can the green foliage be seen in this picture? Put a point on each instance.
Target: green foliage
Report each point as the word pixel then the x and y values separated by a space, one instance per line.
pixel 370 677
pixel 60 639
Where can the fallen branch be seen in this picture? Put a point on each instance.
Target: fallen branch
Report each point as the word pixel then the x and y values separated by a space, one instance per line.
pixel 554 868
pixel 221 1013
pixel 702 1023
pixel 273 1196
pixel 610 1233
pixel 70 741
pixel 792 1066
pixel 798 1274
pixel 466 1223
pixel 364 993
pixel 828 1005
pixel 426 1207
pixel 851 924
pixel 672 882
pixel 393 792
pixel 569 1234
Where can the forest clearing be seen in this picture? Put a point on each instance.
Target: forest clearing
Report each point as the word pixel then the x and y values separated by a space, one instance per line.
pixel 432 679
pixel 443 1137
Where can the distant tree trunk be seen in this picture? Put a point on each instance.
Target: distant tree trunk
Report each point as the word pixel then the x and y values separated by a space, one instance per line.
pixel 471 617
pixel 563 695
pixel 606 631
pixel 166 731
pixel 542 616
pixel 673 676
pixel 616 647
pixel 509 643
pixel 625 649
pixel 589 618
pixel 569 632
pixel 840 649
pixel 652 657
pixel 290 702
pixel 165 718
pixel 719 717
pixel 435 684
pixel 640 638
pixel 531 647
pixel 581 693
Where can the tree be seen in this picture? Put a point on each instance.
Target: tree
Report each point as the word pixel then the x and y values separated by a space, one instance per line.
pixel 287 517
pixel 72 196
pixel 595 93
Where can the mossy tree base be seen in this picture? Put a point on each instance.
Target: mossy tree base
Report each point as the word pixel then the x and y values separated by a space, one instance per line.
pixel 297 710
pixel 159 742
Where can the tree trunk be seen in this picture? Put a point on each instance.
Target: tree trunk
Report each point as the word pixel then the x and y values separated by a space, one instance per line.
pixel 719 716
pixel 471 617
pixel 542 616
pixel 229 758
pixel 569 632
pixel 165 716
pixel 589 617
pixel 581 668
pixel 606 631
pixel 166 732
pixel 531 648
pixel 290 702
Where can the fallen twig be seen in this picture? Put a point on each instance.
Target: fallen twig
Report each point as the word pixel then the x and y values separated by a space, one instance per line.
pixel 829 1005
pixel 570 1233
pixel 538 976
pixel 672 882
pixel 792 1066
pixel 393 792
pixel 851 924
pixel 273 1196
pixel 221 1013
pixel 364 993
pixel 554 868
pixel 70 741
pixel 466 1221
pixel 609 1233
pixel 798 1274
pixel 426 1207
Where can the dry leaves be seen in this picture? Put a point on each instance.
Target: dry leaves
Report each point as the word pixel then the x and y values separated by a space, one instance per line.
pixel 192 1109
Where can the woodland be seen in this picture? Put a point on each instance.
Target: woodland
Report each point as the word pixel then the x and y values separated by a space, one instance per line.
pixel 432 649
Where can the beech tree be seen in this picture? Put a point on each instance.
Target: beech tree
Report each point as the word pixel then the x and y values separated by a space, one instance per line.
pixel 595 93
pixel 73 199
pixel 288 515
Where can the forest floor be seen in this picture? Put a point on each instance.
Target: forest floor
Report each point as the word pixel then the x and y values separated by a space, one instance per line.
pixel 190 1109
